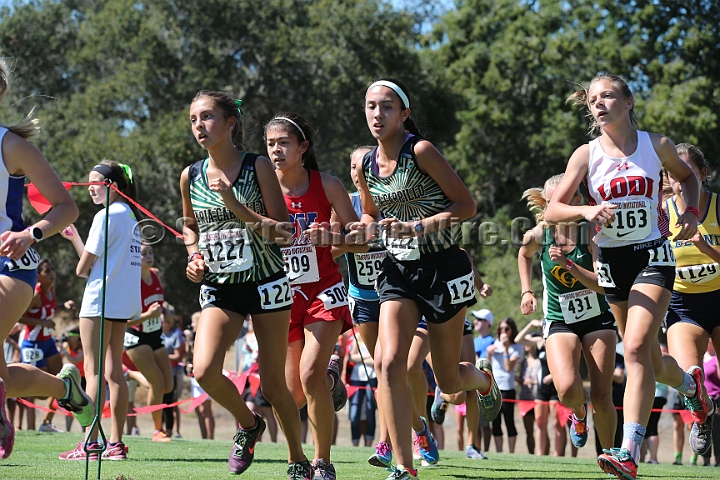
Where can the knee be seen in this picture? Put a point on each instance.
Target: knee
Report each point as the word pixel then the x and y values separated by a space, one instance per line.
pixel 273 392
pixel 167 387
pixel 394 368
pixel 313 378
pixel 448 385
pixel 601 401
pixel 570 393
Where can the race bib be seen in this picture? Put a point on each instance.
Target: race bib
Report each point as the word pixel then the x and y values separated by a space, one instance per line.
pixel 152 325
pixel 275 294
pixel 226 251
pixel 206 296
pixel 403 249
pixel 579 306
pixel 32 355
pixel 462 289
pixel 130 340
pixel 605 280
pixel 698 273
pixel 632 221
pixel 301 264
pixel 368 267
pixel 335 296
pixel 662 256
pixel 29 261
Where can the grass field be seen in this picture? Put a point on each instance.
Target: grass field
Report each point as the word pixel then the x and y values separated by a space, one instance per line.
pixel 35 457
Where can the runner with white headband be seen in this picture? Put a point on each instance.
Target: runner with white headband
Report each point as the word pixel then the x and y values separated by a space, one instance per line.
pixel 409 183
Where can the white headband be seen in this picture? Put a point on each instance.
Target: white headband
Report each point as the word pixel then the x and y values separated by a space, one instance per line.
pixel 395 88
pixel 295 124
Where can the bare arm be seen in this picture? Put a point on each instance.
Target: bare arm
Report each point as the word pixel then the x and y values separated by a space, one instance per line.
pixel 523 337
pixel 559 208
pixel 530 246
pixel 195 269
pixel 586 277
pixel 21 157
pixel 690 185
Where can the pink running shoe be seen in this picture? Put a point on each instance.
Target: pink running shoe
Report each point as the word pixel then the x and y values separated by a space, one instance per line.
pixel 115 451
pixel 78 453
pixel 7 431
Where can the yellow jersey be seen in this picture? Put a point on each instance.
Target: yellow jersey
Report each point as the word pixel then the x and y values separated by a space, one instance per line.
pixel 695 272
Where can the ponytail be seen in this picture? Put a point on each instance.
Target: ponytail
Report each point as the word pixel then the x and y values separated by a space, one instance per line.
pixel 27 126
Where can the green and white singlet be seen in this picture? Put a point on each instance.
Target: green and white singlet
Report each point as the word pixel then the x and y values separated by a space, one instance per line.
pixel 409 194
pixel 233 253
pixel 565 299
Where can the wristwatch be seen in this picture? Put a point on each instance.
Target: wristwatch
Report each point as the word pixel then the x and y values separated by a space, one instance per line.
pixel 418 227
pixel 37 233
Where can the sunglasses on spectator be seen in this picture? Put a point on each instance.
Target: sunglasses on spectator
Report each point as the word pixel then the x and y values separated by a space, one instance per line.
pixel 505 329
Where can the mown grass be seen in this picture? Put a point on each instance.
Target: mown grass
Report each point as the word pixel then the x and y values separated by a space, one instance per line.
pixel 35 457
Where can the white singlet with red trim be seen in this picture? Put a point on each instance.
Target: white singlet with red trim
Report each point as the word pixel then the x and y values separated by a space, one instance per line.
pixel 635 185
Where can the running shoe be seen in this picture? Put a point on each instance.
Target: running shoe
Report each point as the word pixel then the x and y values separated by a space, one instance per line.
pixel 402 473
pixel 78 453
pixel 425 443
pixel 698 405
pixel 579 429
pixel 382 457
pixel 48 427
pixel 300 471
pixel 243 450
pixel 115 451
pixel 439 406
pixel 491 403
pixel 7 431
pixel 701 434
pixel 323 470
pixel 76 400
pixel 618 462
pixel 474 453
pixel 339 392
pixel 161 436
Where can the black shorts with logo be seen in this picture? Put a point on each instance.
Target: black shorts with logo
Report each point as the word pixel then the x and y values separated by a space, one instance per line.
pixel 134 339
pixel 604 321
pixel 272 294
pixel 620 268
pixel 440 283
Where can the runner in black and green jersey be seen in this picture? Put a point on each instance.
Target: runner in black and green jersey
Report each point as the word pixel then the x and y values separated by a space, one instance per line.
pixel 233 208
pixel 407 181
pixel 577 318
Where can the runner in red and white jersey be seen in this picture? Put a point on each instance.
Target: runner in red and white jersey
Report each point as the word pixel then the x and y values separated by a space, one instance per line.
pixel 635 266
pixel 143 342
pixel 320 310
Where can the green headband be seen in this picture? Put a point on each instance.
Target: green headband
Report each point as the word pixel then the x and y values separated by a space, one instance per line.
pixel 128 171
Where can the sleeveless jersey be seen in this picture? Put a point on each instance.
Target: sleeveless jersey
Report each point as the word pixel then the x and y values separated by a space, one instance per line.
pixel 305 262
pixel 233 253
pixel 632 183
pixel 409 194
pixel 152 293
pixel 12 190
pixel 363 268
pixel 695 272
pixel 38 333
pixel 564 297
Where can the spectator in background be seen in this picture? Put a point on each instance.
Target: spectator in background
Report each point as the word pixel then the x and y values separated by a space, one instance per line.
pixel 530 369
pixel 505 355
pixel 712 385
pixel 176 347
pixel 483 320
pixel 651 441
pixel 362 402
